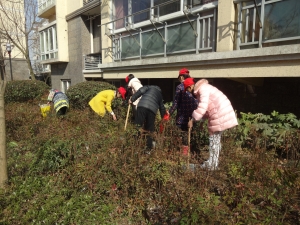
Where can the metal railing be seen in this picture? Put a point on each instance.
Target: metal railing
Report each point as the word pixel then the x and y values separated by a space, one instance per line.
pixel 87 1
pixel 91 61
pixel 261 26
pixel 45 3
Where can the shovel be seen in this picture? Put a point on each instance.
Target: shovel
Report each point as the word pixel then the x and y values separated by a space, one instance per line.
pixel 128 110
pixel 189 149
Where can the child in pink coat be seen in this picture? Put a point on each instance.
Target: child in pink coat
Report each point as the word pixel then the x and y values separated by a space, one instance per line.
pixel 216 107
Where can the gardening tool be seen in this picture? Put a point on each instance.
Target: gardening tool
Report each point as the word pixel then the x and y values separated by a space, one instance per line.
pixel 128 110
pixel 189 149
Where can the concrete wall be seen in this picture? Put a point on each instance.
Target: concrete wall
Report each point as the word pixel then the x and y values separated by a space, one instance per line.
pixel 79 45
pixel 62 31
pixel 20 69
pixel 106 12
pixel 225 26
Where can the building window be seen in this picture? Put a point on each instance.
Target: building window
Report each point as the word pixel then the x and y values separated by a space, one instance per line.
pixel 196 35
pixel 128 12
pixel 162 7
pixel 48 43
pixel 65 84
pixel 270 22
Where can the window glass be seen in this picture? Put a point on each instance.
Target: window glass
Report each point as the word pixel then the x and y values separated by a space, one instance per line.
pixel 153 42
pixel 42 41
pixel 48 43
pixel 139 5
pixel 167 8
pixel 130 47
pixel 206 33
pixel 282 20
pixel 47 40
pixel 181 37
pixel 248 3
pixel 200 2
pixel 121 10
pixel 65 84
pixel 50 39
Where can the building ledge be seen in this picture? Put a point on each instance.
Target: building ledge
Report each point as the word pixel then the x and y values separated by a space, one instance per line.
pixel 53 61
pixel 275 53
pixel 84 9
pixel 48 11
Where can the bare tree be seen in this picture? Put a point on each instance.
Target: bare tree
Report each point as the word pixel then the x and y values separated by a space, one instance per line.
pixel 3 161
pixel 17 21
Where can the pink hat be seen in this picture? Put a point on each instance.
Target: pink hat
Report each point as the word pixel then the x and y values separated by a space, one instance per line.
pixel 188 82
pixel 122 91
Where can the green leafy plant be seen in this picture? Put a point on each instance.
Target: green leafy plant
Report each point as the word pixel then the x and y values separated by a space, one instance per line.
pixel 24 90
pixel 269 131
pixel 80 94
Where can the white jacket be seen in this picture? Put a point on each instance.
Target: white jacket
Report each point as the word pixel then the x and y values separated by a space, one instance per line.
pixel 135 84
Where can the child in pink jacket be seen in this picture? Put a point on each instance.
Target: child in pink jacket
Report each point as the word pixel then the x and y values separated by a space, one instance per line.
pixel 216 107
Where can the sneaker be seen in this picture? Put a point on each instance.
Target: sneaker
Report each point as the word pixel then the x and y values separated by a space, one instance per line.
pixel 206 165
pixel 192 167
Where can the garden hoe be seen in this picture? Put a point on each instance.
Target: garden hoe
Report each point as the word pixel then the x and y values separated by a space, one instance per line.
pixel 128 110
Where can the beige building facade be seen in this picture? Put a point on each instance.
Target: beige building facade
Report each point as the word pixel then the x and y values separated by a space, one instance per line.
pixel 15 64
pixel 69 39
pixel 247 48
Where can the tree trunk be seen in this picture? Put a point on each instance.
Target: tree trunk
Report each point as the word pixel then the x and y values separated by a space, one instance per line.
pixel 3 162
pixel 30 67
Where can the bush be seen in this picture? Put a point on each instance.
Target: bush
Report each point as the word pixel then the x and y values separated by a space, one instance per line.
pixel 24 90
pixel 80 94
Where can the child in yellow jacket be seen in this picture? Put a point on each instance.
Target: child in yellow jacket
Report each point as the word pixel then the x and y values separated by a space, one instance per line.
pixel 102 101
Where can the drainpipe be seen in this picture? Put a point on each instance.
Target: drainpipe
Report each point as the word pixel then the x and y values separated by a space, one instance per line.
pixel 91 35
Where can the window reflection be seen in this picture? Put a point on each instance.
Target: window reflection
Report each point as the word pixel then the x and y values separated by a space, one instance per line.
pixel 121 10
pixel 166 8
pixel 282 20
pixel 139 5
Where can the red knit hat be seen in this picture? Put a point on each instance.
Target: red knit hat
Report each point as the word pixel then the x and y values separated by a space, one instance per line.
pixel 188 82
pixel 122 91
pixel 127 79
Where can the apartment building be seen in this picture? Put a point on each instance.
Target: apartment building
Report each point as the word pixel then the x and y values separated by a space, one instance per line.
pixel 70 40
pixel 247 48
pixel 250 49
pixel 15 63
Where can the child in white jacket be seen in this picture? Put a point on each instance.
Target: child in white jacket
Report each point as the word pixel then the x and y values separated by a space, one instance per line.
pixel 135 84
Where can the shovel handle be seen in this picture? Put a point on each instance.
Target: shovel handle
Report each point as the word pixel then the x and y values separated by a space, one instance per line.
pixel 128 110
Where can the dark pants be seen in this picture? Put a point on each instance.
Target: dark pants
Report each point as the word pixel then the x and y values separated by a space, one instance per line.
pixel 184 133
pixel 145 119
pixel 133 116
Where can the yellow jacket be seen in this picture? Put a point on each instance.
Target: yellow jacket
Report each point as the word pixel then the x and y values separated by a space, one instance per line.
pixel 103 101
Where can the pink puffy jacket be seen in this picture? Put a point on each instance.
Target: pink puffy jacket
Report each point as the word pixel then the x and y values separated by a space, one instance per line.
pixel 215 106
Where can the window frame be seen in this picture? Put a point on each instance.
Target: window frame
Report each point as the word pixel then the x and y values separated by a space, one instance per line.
pixel 48 43
pixel 68 84
pixel 242 38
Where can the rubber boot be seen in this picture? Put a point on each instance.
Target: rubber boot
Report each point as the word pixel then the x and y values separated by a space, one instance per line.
pixel 185 150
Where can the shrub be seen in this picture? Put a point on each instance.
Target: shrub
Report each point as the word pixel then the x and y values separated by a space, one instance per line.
pixel 80 94
pixel 24 90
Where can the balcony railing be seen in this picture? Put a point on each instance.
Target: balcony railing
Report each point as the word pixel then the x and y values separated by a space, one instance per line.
pixel 91 61
pixel 87 1
pixel 45 3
